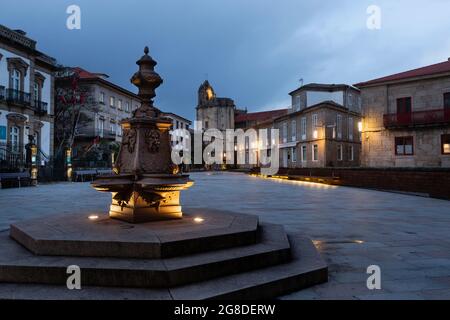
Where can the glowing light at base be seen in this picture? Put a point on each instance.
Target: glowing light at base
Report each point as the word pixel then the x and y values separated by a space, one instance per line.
pixel 285 179
pixel 199 219
pixel 93 217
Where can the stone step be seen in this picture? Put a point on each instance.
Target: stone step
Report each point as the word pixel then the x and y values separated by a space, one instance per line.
pixel 305 269
pixel 17 265
pixel 77 235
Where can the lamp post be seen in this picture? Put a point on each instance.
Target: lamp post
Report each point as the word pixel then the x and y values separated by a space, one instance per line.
pixel 69 164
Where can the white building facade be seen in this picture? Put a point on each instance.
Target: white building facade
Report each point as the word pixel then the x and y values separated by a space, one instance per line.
pixel 26 99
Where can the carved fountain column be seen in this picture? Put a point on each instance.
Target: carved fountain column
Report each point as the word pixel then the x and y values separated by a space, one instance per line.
pixel 147 184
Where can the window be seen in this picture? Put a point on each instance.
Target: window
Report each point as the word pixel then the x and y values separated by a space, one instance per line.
pixel 101 126
pixel 102 98
pixel 119 130
pixel 314 126
pixel 119 104
pixel 404 146
pixel 445 142
pixel 206 124
pixel 294 154
pixel 127 106
pixel 339 152
pixel 303 128
pixel 350 153
pixel 15 79
pixel 314 121
pixel 36 92
pixel 294 130
pixel 113 128
pixel 404 105
pixel 284 134
pixel 315 152
pixel 339 126
pixel 447 100
pixel 177 124
pixel 297 100
pixel 350 128
pixel 112 102
pixel 303 155
pixel 14 138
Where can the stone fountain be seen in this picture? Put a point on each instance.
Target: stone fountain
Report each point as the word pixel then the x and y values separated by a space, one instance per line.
pixel 147 184
pixel 145 247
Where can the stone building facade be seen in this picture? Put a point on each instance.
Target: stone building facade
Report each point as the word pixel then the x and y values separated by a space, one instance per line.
pixel 406 118
pixel 26 99
pixel 214 112
pixel 321 128
pixel 112 103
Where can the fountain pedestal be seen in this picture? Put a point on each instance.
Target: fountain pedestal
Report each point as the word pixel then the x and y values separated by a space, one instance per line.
pixel 147 184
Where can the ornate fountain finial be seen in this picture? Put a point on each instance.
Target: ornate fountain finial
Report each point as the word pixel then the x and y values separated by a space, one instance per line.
pixel 147 80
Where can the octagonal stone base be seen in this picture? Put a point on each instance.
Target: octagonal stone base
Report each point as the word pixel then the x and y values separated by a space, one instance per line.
pixel 77 235
pixel 224 256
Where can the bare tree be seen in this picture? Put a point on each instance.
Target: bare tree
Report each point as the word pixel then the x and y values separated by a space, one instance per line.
pixel 75 109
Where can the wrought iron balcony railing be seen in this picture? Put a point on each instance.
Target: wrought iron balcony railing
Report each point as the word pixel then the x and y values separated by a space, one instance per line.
pixel 17 97
pixel 417 118
pixel 93 133
pixel 40 107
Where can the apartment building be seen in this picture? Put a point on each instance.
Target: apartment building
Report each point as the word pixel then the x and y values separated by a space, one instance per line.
pixel 111 104
pixel 178 122
pixel 406 118
pixel 26 100
pixel 321 128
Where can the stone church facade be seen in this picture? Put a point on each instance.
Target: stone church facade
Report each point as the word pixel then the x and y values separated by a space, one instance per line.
pixel 214 112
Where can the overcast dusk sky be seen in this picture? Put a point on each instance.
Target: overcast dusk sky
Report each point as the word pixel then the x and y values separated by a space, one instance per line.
pixel 253 51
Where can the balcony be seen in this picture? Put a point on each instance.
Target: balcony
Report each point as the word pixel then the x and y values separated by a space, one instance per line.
pixel 40 107
pixel 93 133
pixel 434 117
pixel 17 97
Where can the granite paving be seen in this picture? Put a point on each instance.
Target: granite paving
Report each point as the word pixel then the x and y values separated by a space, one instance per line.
pixel 407 236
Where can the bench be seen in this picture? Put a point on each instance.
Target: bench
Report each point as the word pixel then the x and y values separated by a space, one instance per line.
pixel 83 173
pixel 11 178
pixel 104 172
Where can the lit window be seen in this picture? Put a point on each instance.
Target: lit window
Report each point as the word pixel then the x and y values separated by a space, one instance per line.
pixel 112 102
pixel 445 141
pixel 404 146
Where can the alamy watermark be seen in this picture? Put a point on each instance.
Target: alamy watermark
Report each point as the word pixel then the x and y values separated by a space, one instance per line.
pixel 73 21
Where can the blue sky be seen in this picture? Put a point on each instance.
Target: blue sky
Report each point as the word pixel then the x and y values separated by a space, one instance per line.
pixel 254 51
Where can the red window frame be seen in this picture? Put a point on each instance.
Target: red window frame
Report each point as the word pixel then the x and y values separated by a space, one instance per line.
pixel 404 141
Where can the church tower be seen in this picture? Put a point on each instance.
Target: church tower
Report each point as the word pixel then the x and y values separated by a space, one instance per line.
pixel 214 112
